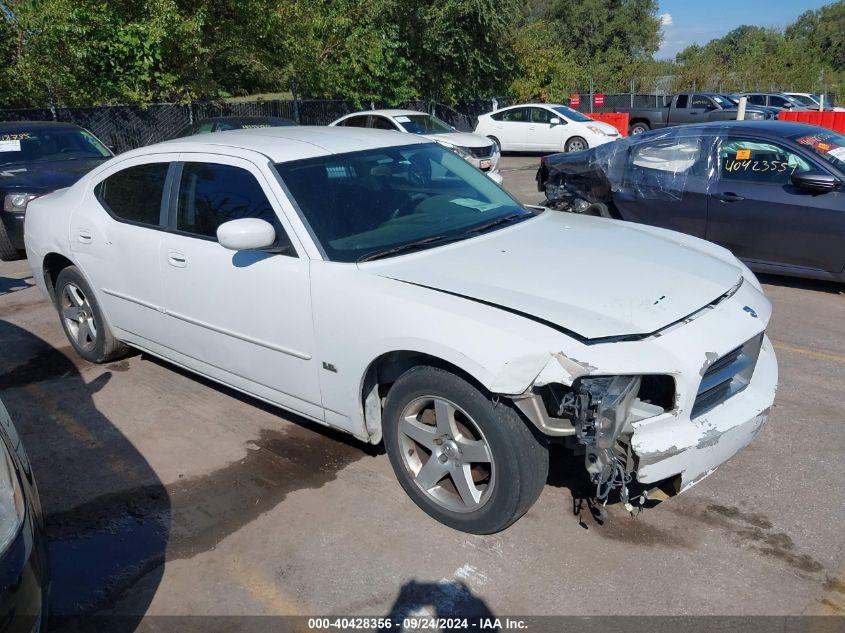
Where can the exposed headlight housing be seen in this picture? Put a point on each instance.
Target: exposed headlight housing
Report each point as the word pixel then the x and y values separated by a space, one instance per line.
pixel 460 151
pixel 12 508
pixel 603 406
pixel 16 202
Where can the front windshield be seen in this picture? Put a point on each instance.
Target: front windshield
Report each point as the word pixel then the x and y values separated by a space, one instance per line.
pixel 722 101
pixel 730 99
pixel 423 124
pixel 805 100
pixel 361 204
pixel 572 115
pixel 827 144
pixel 46 144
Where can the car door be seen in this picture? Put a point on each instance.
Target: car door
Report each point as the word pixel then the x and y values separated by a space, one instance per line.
pixel 511 128
pixel 542 135
pixel 116 239
pixel 240 317
pixel 666 182
pixel 757 213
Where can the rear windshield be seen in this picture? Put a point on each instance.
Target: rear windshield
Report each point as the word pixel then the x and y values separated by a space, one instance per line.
pixel 826 144
pixel 49 144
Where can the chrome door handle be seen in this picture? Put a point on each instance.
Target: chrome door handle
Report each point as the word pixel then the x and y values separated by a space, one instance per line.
pixel 177 259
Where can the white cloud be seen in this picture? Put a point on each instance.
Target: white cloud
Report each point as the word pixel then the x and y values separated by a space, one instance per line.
pixel 665 19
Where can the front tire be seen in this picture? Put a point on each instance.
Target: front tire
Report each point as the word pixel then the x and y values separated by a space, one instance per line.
pixel 82 319
pixel 8 253
pixel 469 462
pixel 575 144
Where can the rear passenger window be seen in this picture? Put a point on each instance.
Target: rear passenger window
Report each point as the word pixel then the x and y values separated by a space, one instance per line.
pixel 355 121
pixel 381 123
pixel 134 194
pixel 517 115
pixel 211 194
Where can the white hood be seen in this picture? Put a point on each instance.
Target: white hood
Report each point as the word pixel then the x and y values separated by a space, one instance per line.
pixel 461 139
pixel 592 276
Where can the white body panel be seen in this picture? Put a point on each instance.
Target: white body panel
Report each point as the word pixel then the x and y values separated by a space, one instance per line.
pixel 542 137
pixel 515 308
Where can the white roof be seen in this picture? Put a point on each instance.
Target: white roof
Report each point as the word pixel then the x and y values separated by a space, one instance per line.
pixel 281 144
pixel 386 112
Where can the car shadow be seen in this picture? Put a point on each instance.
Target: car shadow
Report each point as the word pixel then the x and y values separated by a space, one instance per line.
pixel 446 599
pixel 830 287
pixel 100 544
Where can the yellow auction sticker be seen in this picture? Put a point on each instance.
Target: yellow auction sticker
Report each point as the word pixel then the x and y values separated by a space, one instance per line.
pixel 743 154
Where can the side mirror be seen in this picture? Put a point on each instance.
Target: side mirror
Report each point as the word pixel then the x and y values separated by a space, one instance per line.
pixel 814 181
pixel 554 121
pixel 247 234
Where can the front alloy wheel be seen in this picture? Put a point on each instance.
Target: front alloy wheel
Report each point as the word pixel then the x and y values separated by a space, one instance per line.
pixel 465 457
pixel 446 454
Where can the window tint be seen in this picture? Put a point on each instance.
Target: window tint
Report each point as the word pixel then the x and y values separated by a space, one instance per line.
pixel 700 101
pixel 134 194
pixel 682 101
pixel 758 161
pixel 211 194
pixel 356 121
pixel 780 102
pixel 517 115
pixel 757 99
pixel 383 123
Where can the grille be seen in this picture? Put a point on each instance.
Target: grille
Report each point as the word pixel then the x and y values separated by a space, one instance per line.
pixel 481 152
pixel 727 376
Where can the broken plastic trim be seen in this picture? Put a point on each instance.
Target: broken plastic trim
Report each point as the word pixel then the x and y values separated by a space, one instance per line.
pixel 622 338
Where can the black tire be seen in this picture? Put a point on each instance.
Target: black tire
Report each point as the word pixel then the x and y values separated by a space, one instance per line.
pixel 519 457
pixel 8 253
pixel 575 144
pixel 100 344
pixel 496 141
pixel 640 127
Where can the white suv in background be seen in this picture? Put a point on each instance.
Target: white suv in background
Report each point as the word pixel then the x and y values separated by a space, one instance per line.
pixel 473 148
pixel 544 127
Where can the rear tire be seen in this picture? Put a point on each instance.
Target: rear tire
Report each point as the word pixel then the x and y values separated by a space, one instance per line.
pixel 639 128
pixel 8 253
pixel 466 460
pixel 82 319
pixel 575 144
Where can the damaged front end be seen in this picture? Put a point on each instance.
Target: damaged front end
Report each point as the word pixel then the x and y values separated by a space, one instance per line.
pixel 579 183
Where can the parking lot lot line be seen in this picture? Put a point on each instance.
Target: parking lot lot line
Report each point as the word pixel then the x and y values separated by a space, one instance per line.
pixel 811 353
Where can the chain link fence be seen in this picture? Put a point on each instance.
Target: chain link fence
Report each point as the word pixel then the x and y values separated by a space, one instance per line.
pixel 126 127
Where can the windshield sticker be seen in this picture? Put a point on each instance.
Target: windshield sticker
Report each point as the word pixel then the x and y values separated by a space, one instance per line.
pixel 838 153
pixel 21 136
pixel 403 119
pixel 743 154
pixel 470 203
pixel 10 146
pixel 823 147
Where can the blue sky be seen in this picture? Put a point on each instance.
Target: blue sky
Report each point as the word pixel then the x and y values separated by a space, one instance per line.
pixel 688 22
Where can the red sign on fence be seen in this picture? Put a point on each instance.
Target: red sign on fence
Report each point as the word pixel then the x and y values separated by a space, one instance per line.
pixel 598 99
pixel 575 101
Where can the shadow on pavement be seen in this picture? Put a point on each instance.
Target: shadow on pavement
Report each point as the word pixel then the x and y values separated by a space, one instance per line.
pixel 100 544
pixel 831 287
pixel 439 600
pixel 9 285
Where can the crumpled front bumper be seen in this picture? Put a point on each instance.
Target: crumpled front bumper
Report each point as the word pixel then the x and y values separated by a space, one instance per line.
pixel 668 445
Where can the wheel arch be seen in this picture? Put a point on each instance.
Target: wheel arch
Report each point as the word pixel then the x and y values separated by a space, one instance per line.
pixel 386 368
pixel 54 263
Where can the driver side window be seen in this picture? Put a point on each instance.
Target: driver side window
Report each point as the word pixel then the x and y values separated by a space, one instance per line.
pixel 700 101
pixel 756 161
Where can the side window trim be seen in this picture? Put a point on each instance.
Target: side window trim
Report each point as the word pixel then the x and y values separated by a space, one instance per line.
pixel 171 196
pixel 174 195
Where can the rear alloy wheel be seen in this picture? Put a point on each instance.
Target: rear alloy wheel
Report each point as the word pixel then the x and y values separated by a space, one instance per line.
pixel 469 462
pixel 82 319
pixel 639 128
pixel 575 144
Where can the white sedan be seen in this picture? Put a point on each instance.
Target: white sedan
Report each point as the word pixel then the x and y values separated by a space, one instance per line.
pixel 544 127
pixel 477 150
pixel 378 284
